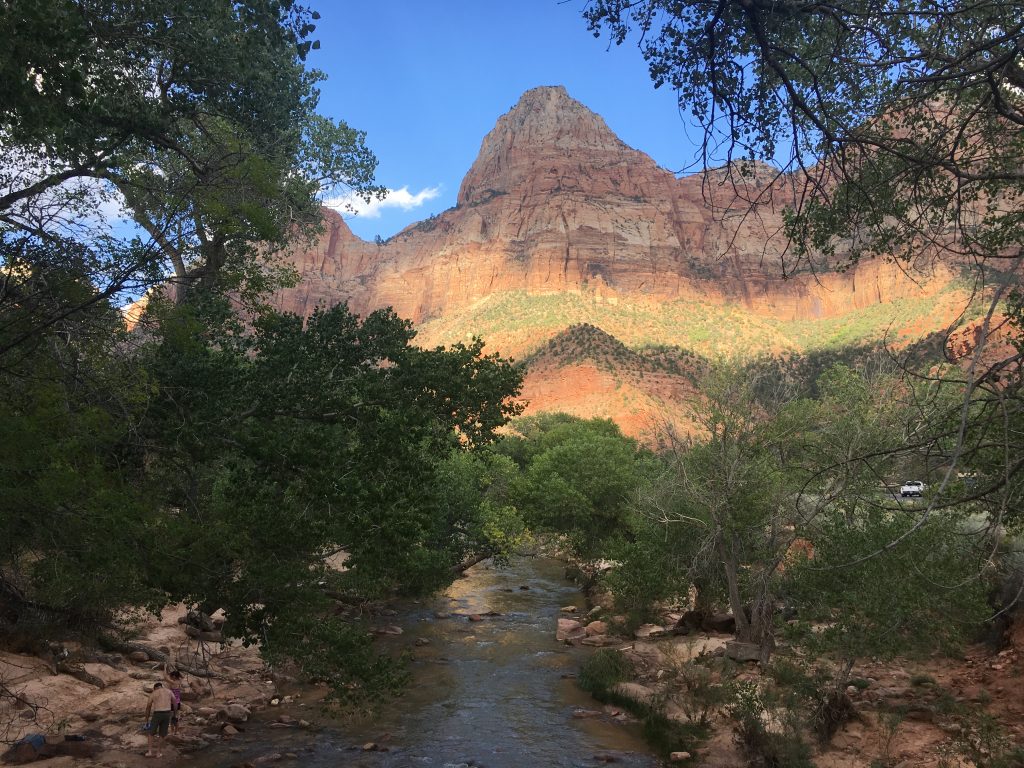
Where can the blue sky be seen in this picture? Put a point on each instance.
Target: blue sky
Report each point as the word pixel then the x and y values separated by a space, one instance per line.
pixel 427 81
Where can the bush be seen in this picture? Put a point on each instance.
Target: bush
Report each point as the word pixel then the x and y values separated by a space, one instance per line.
pixel 780 746
pixel 602 671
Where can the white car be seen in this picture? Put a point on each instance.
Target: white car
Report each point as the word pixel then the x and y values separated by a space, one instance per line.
pixel 912 488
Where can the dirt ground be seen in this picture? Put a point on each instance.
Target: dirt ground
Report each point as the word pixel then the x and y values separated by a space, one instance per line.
pixel 112 717
pixel 938 713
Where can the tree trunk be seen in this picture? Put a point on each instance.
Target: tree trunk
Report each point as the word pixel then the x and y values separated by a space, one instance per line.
pixel 731 564
pixel 465 565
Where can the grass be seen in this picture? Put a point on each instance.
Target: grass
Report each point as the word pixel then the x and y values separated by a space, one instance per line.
pixel 518 323
pixel 598 676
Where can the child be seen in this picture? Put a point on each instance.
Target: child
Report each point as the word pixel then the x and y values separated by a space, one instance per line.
pixel 172 678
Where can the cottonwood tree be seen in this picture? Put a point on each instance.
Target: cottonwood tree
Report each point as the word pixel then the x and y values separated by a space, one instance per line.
pixel 902 120
pixel 729 496
pixel 577 479
pixel 195 121
pixel 224 454
pixel 894 130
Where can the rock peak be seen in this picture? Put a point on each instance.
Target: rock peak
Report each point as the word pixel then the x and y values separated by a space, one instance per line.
pixel 546 123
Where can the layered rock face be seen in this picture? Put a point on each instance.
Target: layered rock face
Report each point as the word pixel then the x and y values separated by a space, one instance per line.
pixel 556 202
pixel 557 206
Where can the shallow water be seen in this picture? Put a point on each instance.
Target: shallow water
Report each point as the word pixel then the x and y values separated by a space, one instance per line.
pixel 488 693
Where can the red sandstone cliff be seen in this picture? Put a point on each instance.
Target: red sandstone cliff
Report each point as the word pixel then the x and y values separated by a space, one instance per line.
pixel 555 202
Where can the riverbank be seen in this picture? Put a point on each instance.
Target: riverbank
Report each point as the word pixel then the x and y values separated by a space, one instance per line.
pixel 489 686
pixel 715 711
pixel 108 715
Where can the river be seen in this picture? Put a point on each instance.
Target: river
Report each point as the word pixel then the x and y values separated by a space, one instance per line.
pixel 496 693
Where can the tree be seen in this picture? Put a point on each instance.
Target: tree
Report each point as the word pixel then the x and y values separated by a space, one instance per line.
pixel 198 120
pixel 902 119
pixel 894 131
pixel 578 477
pixel 252 454
pixel 732 489
pixel 74 518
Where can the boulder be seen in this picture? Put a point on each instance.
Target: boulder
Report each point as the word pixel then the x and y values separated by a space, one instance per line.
pixel 719 622
pixel 690 647
pixel 649 630
pixel 738 651
pixel 235 713
pixel 206 637
pixel 569 629
pixel 105 673
pixel 597 628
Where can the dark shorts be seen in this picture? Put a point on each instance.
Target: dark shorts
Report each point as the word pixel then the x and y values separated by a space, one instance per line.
pixel 159 722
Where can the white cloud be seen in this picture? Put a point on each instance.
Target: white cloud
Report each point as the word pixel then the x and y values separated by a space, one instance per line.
pixel 395 198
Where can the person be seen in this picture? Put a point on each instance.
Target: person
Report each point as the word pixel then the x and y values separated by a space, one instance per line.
pixel 172 680
pixel 158 712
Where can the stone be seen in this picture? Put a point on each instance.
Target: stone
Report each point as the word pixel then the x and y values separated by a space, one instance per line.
pixel 568 609
pixel 229 730
pixel 649 630
pixel 569 629
pixel 235 713
pixel 273 757
pixel 689 647
pixel 475 617
pixel 678 757
pixel 597 628
pixel 106 673
pixel 738 651
pixel 724 623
